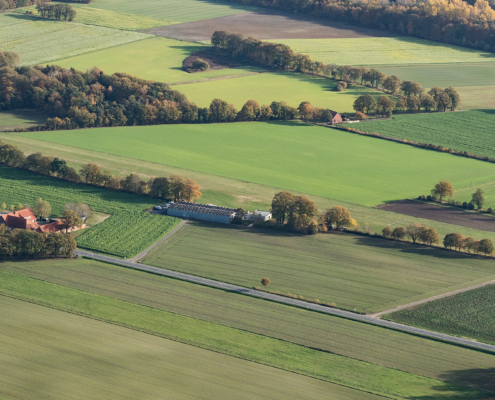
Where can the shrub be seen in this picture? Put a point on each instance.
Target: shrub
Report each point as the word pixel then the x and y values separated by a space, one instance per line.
pixel 387 232
pixel 360 116
pixel 200 64
pixel 471 206
pixel 465 205
pixel 341 86
pixel 490 210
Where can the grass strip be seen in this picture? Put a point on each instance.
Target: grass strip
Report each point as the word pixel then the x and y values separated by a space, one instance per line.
pixel 264 350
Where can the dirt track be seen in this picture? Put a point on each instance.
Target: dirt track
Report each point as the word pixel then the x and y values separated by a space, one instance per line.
pixel 265 25
pixel 441 214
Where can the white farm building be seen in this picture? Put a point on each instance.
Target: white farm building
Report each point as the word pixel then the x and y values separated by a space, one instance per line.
pixel 203 212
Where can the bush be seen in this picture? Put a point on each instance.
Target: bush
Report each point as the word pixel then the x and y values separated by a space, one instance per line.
pixel 341 86
pixel 360 116
pixel 428 198
pixel 465 205
pixel 200 64
pixel 490 210
pixel 471 206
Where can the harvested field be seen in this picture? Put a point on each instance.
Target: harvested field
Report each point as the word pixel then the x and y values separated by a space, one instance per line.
pixel 266 25
pixel 442 214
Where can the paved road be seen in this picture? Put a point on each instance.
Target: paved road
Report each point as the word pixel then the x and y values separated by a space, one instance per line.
pixel 440 296
pixel 315 307
pixel 142 254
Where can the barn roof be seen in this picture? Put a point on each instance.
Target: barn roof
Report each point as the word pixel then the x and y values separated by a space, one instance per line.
pixel 201 208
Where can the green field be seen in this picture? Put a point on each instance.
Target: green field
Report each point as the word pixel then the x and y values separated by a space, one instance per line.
pixel 469 314
pixel 40 41
pixel 230 192
pixel 470 131
pixel 175 10
pixel 356 272
pixel 386 51
pixel 20 119
pixel 290 155
pixel 157 59
pixel 51 354
pixel 328 367
pixel 126 233
pixel 294 88
pixel 336 335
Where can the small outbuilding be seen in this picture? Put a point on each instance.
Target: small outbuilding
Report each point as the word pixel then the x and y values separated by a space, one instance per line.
pixel 203 212
pixel 336 117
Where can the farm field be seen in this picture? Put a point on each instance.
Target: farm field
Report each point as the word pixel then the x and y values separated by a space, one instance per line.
pixel 471 131
pixel 336 335
pixel 110 19
pixel 175 10
pixel 360 375
pixel 291 87
pixel 20 119
pixel 356 272
pixel 227 191
pixel 126 233
pixel 52 354
pixel 384 51
pixel 469 314
pixel 157 59
pixel 41 41
pixel 294 156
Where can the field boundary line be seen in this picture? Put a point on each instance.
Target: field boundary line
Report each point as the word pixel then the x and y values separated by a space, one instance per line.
pixel 297 303
pixel 433 298
pixel 145 252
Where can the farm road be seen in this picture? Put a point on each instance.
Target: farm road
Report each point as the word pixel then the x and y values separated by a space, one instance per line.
pixel 315 307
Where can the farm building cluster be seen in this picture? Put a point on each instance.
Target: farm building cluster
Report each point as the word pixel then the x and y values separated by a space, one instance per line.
pixel 211 212
pixel 25 219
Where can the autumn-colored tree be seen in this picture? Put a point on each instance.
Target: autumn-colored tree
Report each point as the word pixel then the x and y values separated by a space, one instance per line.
pixel 469 244
pixel 399 233
pixel 442 189
pixel 387 232
pixel 337 215
pixel 265 282
pixel 486 246
pixel 306 110
pixel 176 186
pixel 191 190
pixel 301 213
pixel 90 173
pixel 250 111
pixel 70 220
pixel 413 231
pixel 280 206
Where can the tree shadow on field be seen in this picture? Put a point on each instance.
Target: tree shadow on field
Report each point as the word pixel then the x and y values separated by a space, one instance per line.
pixel 477 378
pixel 487 111
pixel 416 248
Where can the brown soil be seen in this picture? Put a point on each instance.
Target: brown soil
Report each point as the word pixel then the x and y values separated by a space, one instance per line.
pixel 441 214
pixel 266 25
pixel 216 61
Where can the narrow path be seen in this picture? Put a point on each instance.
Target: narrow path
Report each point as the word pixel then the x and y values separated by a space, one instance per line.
pixel 142 254
pixel 440 296
pixel 315 307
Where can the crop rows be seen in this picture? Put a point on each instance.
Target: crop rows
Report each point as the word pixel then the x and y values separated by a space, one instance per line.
pixel 469 314
pixel 127 232
pixel 42 41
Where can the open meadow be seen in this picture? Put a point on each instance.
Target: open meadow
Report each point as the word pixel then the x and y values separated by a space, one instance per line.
pixel 360 375
pixel 348 338
pixel 291 87
pixel 469 314
pixel 470 131
pixel 157 59
pixel 40 41
pixel 174 10
pixel 20 119
pixel 127 232
pixel 382 51
pixel 293 156
pixel 48 353
pixel 355 272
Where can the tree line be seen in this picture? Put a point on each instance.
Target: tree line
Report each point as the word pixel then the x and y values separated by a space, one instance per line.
pixel 94 99
pixel 56 11
pixel 23 243
pixel 450 21
pixel 174 187
pixel 11 4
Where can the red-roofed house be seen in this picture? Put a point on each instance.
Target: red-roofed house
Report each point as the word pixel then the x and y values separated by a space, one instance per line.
pixel 23 219
pixel 336 117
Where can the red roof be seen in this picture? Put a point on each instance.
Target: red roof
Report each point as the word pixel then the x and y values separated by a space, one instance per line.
pixel 23 219
pixel 52 227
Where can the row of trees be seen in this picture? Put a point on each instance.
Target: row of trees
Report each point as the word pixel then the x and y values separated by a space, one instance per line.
pixel 21 243
pixel 296 213
pixel 11 4
pixel 56 11
pixel 436 99
pixel 174 187
pixel 451 21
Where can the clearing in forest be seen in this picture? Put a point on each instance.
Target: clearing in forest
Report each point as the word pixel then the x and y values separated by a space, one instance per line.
pixel 13 119
pixel 356 272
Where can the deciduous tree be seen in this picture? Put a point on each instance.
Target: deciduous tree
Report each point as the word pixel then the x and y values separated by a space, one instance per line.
pixel 42 208
pixel 399 233
pixel 442 189
pixel 281 205
pixel 70 220
pixel 337 215
pixel 486 246
pixel 478 199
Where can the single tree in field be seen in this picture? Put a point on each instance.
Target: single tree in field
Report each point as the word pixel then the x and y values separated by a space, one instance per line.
pixel 469 244
pixel 42 208
pixel 413 231
pixel 70 220
pixel 486 246
pixel 280 206
pixel 399 233
pixel 478 199
pixel 387 232
pixel 442 189
pixel 337 215
pixel 265 282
